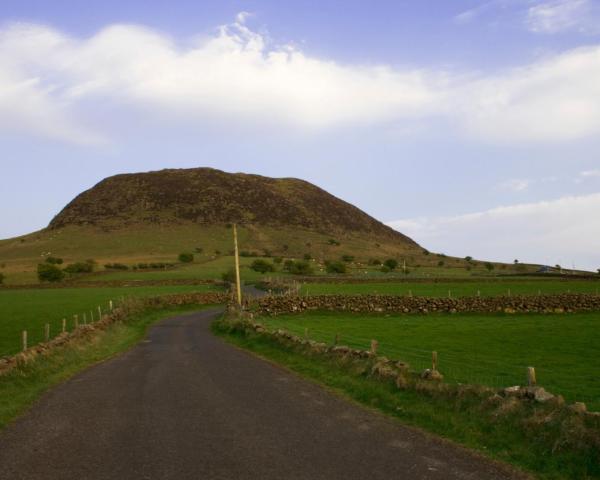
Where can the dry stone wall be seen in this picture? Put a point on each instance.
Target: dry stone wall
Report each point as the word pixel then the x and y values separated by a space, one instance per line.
pixel 574 302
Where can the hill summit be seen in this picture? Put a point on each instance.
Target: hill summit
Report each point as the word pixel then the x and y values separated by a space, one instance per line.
pixel 208 196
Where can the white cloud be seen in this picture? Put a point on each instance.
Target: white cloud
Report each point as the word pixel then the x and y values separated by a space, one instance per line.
pixel 562 231
pixel 557 99
pixel 590 173
pixel 562 15
pixel 515 184
pixel 49 82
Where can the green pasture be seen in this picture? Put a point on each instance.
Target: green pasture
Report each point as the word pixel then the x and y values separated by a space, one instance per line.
pixel 485 287
pixel 31 309
pixel 491 350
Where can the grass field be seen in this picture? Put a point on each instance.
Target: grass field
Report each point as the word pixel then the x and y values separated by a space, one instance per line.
pixel 30 309
pixel 501 437
pixel 483 349
pixel 487 287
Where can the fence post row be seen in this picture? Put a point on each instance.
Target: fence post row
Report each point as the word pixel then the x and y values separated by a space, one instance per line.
pixel 374 345
pixel 47 332
pixel 24 340
pixel 434 361
pixel 64 325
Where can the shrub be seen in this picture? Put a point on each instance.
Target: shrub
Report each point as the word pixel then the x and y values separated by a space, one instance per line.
pixel 391 263
pixel 262 266
pixel 199 249
pixel 278 260
pixel 468 258
pixel 116 266
pixel 287 265
pixel 186 257
pixel 307 256
pixel 489 266
pixel 335 267
pixel 374 261
pixel 217 252
pixel 142 266
pixel 301 267
pixel 385 269
pixel 79 267
pixel 440 263
pixel 54 260
pixel 285 248
pixel 347 258
pixel 229 276
pixel 48 272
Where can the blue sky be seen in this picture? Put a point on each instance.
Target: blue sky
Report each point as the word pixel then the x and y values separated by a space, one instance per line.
pixel 472 126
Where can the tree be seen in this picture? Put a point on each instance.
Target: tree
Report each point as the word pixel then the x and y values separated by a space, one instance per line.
pixel 262 266
pixel 186 257
pixel 79 267
pixel 489 266
pixel 516 261
pixel 54 260
pixel 335 267
pixel 300 267
pixel 48 272
pixel 391 263
pixel 229 276
pixel 468 258
pixel 596 270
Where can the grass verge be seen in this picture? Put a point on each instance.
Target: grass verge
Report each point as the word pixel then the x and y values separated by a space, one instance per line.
pixel 20 388
pixel 506 434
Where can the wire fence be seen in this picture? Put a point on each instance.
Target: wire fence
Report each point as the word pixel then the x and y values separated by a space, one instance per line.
pixel 459 368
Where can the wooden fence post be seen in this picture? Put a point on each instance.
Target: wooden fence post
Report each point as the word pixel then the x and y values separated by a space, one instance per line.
pixel 91 316
pixel 64 325
pixel 449 294
pixel 24 340
pixel 110 305
pixel 336 340
pixel 99 313
pixel 47 332
pixel 84 318
pixel 374 345
pixel 410 293
pixel 76 320
pixel 479 293
pixel 434 361
pixel 306 334
pixel 509 292
pixel 531 380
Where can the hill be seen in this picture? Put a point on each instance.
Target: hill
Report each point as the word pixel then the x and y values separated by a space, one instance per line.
pixel 210 197
pixel 156 215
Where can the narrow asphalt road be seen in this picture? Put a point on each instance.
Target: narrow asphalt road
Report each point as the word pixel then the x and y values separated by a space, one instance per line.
pixel 186 405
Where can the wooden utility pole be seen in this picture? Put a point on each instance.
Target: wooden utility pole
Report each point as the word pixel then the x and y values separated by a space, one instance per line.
pixel 237 266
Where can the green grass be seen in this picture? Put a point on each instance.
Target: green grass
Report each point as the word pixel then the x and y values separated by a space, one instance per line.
pixel 19 389
pixel 31 309
pixel 461 420
pixel 490 350
pixel 487 287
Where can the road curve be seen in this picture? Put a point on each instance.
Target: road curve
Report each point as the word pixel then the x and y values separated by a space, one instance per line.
pixel 186 405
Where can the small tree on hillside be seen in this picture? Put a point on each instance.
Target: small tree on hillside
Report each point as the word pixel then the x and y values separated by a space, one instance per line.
pixel 468 258
pixel 54 260
pixel 489 266
pixel 48 272
pixel 262 266
pixel 391 263
pixel 186 257
pixel 335 267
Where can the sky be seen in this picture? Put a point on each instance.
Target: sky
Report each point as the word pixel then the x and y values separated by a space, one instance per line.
pixel 471 126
